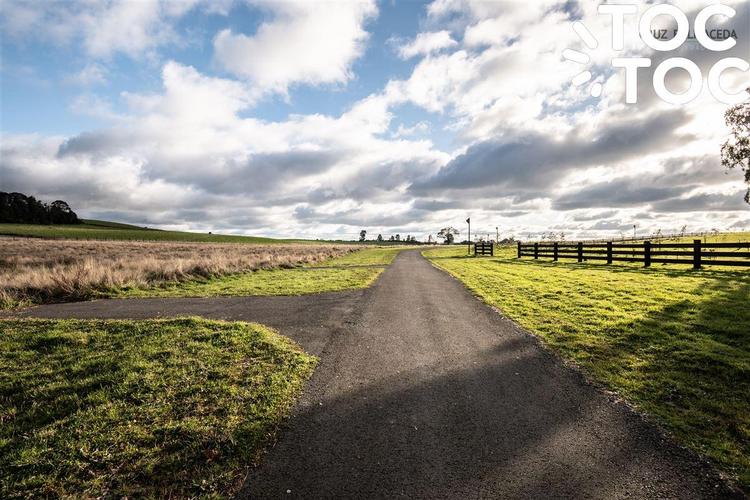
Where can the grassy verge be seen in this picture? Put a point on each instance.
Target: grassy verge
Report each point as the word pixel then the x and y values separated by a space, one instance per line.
pixel 674 342
pixel 297 281
pixel 159 408
pixel 375 256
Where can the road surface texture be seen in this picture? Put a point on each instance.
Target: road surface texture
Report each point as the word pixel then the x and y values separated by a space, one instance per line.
pixel 425 392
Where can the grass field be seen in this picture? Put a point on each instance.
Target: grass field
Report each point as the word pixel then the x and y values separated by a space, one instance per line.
pixel 264 282
pixel 377 256
pixel 103 230
pixel 348 271
pixel 43 270
pixel 161 408
pixel 672 341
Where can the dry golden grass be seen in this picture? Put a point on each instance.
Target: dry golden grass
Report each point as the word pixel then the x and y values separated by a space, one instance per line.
pixel 37 270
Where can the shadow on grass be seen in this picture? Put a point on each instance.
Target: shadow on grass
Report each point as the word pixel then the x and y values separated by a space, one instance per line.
pixel 694 371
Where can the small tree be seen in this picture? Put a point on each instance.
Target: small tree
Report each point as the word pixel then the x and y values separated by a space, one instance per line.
pixel 398 237
pixel 362 235
pixel 380 238
pixel 447 234
pixel 735 152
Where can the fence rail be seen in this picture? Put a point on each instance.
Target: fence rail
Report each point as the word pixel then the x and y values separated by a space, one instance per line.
pixel 696 253
pixel 484 248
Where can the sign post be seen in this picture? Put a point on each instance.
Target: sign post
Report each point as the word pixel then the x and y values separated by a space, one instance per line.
pixel 468 221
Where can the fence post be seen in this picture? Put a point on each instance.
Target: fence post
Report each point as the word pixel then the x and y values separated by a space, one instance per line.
pixel 536 251
pixel 555 252
pixel 647 254
pixel 697 254
pixel 580 251
pixel 519 249
pixel 609 252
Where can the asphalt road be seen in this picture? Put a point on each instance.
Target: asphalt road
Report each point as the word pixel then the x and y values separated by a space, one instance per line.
pixel 425 392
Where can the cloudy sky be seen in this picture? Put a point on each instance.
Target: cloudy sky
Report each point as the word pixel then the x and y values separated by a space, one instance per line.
pixel 318 119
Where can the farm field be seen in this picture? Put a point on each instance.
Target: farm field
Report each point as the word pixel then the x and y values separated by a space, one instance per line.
pixel 298 281
pixel 671 341
pixel 357 269
pixel 44 270
pixel 376 256
pixel 154 408
pixel 104 230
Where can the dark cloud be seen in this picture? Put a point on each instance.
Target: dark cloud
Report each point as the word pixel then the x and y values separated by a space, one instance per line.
pixel 536 162
pixel 618 193
pixel 704 202
pixel 97 144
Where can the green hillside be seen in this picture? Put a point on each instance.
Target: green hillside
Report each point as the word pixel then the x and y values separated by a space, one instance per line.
pixel 104 230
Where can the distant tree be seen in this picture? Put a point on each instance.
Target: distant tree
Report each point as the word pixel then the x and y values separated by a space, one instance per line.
pixel 735 152
pixel 429 239
pixel 448 234
pixel 61 213
pixel 391 238
pixel 19 208
pixel 683 230
pixel 398 237
pixel 362 235
pixel 380 238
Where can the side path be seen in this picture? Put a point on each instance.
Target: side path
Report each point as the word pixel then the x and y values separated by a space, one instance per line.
pixel 310 320
pixel 431 394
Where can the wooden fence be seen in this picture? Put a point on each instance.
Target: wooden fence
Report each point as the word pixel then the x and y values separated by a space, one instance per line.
pixel 484 248
pixel 696 253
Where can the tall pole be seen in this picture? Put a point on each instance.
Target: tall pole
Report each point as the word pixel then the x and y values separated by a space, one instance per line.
pixel 497 235
pixel 468 242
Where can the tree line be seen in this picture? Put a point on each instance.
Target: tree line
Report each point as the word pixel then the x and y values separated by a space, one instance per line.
pixel 17 208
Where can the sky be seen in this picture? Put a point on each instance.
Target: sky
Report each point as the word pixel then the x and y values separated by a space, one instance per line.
pixel 319 119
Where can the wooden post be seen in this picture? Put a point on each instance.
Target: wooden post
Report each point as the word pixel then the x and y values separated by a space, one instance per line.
pixel 646 254
pixel 580 251
pixel 536 251
pixel 519 249
pixel 609 252
pixel 697 254
pixel 555 252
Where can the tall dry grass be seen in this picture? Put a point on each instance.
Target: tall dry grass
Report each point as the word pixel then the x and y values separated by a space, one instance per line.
pixel 38 271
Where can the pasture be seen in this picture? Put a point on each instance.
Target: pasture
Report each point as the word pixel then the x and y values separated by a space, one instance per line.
pixel 140 409
pixel 104 230
pixel 672 341
pixel 42 270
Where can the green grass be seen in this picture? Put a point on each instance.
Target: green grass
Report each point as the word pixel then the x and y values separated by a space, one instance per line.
pixel 374 256
pixel 102 230
pixel 157 408
pixel 354 270
pixel 673 342
pixel 296 281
